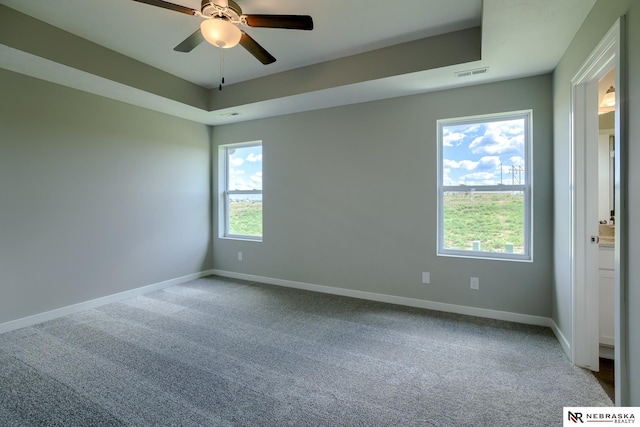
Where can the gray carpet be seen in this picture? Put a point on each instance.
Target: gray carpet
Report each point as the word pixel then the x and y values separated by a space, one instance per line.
pixel 220 352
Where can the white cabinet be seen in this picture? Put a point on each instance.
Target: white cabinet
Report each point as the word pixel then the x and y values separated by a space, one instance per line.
pixel 605 259
pixel 607 308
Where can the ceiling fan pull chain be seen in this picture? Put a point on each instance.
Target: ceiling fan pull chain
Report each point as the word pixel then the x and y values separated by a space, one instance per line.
pixel 221 68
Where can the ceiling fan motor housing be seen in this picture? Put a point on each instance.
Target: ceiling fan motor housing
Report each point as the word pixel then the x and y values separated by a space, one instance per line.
pixel 227 9
pixel 221 25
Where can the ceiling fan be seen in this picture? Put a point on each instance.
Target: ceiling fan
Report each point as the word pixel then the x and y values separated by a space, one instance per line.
pixel 221 26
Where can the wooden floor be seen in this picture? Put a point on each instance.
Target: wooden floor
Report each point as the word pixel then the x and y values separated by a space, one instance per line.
pixel 606 377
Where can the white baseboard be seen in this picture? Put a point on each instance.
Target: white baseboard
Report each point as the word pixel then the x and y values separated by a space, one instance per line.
pixel 607 352
pixel 86 305
pixel 392 299
pixel 564 342
pixel 410 302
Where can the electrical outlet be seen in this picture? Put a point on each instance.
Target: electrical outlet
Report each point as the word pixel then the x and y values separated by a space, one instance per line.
pixel 239 256
pixel 426 277
pixel 475 283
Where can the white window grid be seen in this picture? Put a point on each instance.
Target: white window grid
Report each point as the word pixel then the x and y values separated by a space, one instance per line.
pixel 526 188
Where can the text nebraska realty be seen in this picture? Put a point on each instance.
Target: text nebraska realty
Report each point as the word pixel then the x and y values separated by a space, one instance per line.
pixel 614 418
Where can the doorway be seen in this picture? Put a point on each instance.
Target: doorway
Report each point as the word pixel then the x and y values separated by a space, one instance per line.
pixel 606 214
pixel 585 210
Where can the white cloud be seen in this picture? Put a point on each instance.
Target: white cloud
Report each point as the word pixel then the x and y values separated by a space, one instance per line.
pixel 479 175
pixel 256 180
pixel 450 164
pixel 479 178
pixel 500 138
pixel 236 161
pixel 252 157
pixel 446 179
pixel 239 184
pixel 489 163
pixel 516 160
pixel 485 163
pixel 468 164
pixel 448 138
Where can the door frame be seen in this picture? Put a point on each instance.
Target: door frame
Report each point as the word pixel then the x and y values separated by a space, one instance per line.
pixel 610 53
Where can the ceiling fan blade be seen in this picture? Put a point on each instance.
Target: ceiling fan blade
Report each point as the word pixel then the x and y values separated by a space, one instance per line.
pixel 190 42
pixel 292 22
pixel 256 50
pixel 167 5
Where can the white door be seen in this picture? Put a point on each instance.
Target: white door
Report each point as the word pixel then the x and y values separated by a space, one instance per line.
pixel 586 278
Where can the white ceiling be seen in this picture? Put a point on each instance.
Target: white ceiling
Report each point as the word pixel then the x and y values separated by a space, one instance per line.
pixel 519 38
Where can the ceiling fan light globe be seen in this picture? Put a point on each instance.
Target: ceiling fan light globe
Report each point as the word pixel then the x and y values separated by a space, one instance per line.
pixel 220 33
pixel 609 98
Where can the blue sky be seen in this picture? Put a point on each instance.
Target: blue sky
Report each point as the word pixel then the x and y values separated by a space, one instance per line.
pixel 475 153
pixel 245 168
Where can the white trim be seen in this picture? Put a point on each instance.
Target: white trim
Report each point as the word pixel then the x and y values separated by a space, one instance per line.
pixel 392 299
pixel 607 352
pixel 564 342
pixel 87 305
pixel 621 254
pixel 609 53
pixel 225 193
pixel 526 188
pixel 584 132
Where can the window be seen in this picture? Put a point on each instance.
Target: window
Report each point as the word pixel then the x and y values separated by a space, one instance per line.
pixel 242 191
pixel 484 186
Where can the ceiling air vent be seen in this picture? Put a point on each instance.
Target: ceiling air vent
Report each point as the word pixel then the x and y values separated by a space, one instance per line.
pixel 469 73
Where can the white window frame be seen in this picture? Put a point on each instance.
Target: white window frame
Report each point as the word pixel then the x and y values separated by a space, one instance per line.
pixel 225 193
pixel 526 188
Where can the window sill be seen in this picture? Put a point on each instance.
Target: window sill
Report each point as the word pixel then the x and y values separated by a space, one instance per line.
pixel 242 238
pixel 486 256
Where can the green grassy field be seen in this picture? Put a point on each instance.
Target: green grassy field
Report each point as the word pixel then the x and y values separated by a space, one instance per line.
pixel 245 218
pixel 493 219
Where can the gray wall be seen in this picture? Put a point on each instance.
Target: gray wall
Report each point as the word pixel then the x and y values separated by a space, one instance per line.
pixel 96 197
pixel 350 200
pixel 43 40
pixel 599 21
